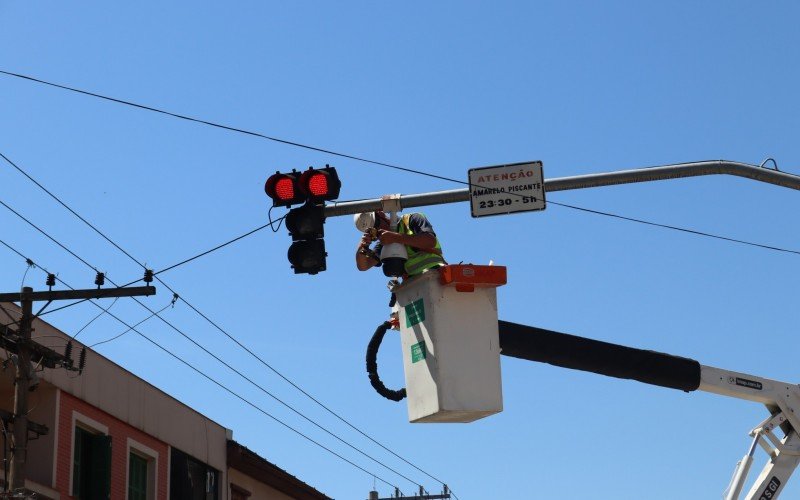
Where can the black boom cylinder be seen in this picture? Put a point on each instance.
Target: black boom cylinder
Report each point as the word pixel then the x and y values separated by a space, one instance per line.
pixel 579 353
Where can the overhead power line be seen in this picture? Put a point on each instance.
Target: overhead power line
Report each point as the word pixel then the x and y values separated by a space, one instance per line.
pixel 207 318
pixel 358 158
pixel 215 381
pixel 219 125
pixel 675 228
pixel 186 261
pixel 217 358
pixel 115 337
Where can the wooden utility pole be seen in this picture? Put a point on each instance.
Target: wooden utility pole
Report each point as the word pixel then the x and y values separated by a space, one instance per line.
pixel 22 380
pixel 25 349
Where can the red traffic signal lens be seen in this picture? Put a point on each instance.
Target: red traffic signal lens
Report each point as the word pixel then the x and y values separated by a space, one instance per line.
pixel 320 184
pixel 283 189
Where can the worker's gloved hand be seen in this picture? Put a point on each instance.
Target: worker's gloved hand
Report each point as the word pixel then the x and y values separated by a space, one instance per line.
pixel 366 240
pixel 389 237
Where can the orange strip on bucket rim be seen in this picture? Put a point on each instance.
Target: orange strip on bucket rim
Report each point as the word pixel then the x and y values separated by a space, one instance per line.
pixel 474 275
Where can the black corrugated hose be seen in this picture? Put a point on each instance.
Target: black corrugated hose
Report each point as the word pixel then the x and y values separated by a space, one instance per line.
pixel 372 365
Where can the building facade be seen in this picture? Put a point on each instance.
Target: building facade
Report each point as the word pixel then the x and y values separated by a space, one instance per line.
pixel 112 435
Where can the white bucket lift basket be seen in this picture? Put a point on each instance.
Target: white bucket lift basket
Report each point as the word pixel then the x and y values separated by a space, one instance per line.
pixel 451 352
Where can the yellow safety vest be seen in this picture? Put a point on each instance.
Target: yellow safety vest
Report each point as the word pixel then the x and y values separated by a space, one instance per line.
pixel 420 259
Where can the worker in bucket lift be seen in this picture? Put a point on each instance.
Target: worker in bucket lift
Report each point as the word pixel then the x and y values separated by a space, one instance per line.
pixel 413 231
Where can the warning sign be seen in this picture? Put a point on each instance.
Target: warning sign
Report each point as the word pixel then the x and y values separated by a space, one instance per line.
pixel 504 189
pixel 418 352
pixel 415 313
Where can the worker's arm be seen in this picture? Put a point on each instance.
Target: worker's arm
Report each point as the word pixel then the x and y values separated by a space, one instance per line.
pixel 365 261
pixel 421 240
pixel 422 237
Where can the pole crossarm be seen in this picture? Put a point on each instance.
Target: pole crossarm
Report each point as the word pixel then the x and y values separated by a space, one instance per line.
pixel 100 293
pixel 694 169
pixel 38 429
pixel 10 340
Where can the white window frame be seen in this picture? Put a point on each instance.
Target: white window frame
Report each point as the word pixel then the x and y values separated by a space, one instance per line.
pixel 151 456
pixel 89 424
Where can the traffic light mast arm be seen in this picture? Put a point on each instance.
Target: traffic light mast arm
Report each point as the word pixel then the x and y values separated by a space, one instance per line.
pixel 693 169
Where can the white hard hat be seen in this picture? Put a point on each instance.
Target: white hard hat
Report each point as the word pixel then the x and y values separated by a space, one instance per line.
pixel 364 221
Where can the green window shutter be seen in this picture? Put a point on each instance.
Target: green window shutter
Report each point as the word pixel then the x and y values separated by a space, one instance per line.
pixel 78 462
pixel 100 464
pixel 137 478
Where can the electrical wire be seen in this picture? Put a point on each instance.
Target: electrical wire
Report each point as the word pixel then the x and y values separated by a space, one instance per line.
pixel 269 216
pixel 220 360
pixel 186 261
pixel 115 337
pixel 342 155
pixel 352 157
pixel 93 319
pixel 676 228
pixel 280 401
pixel 25 275
pixel 229 336
pixel 305 393
pixel 220 126
pixel 559 204
pixel 224 387
pixel 270 224
pixel 46 235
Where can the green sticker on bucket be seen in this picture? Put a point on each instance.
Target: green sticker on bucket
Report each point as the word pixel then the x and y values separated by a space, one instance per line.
pixel 415 313
pixel 418 352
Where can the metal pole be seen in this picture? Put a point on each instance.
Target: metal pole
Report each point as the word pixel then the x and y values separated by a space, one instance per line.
pixel 19 446
pixel 742 469
pixel 693 169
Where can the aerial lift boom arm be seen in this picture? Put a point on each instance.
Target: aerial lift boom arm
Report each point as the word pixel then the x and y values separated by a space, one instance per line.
pixel 782 399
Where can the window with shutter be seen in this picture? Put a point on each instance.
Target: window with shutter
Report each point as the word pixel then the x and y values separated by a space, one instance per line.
pixel 137 477
pixel 91 468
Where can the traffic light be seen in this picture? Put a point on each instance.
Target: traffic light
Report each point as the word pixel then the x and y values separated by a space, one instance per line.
pixel 284 189
pixel 321 184
pixel 312 188
pixel 305 225
pixel 315 185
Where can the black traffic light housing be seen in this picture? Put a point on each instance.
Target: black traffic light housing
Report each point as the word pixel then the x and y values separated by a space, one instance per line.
pixel 315 185
pixel 306 222
pixel 305 225
pixel 308 257
pixel 313 188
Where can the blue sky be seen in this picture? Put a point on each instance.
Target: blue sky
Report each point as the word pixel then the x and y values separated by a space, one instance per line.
pixel 439 87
